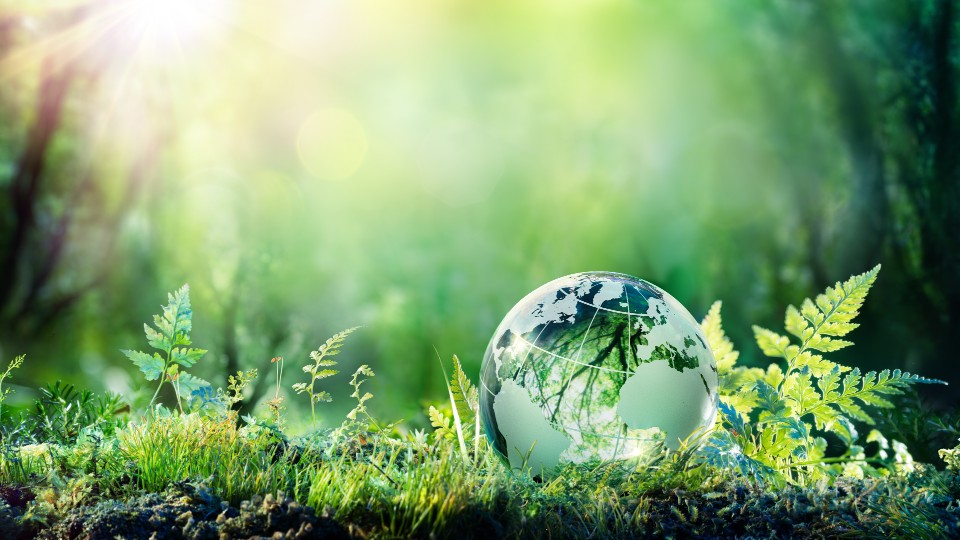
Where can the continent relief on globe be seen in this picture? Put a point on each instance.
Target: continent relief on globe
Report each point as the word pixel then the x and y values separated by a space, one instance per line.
pixel 595 367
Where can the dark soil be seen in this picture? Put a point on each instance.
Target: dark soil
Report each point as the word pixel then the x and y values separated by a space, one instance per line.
pixel 848 509
pixel 189 512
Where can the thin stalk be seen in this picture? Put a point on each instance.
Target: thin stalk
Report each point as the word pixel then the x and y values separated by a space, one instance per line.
pixel 834 460
pixel 166 363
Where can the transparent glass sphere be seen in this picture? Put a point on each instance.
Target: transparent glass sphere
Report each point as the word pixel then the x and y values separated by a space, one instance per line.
pixel 595 367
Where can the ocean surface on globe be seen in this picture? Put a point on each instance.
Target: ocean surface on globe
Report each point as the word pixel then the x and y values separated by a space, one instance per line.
pixel 594 368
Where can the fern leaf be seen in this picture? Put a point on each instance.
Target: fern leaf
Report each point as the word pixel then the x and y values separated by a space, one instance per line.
pixel 364 370
pixel 440 423
pixel 796 324
pixel 769 402
pixel 186 357
pixel 721 346
pixel 465 395
pixel 155 338
pixel 332 346
pixel 771 343
pixel 799 392
pixel 150 365
pixel 176 322
pixel 188 383
pixel 841 303
pixel 324 373
pixel 723 452
pixel 818 365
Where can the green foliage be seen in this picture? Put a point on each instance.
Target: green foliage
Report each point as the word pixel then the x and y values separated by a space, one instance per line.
pixel 63 413
pixel 171 337
pixel 951 456
pixel 4 392
pixel 355 382
pixel 275 404
pixel 464 409
pixel 441 424
pixel 770 418
pixel 320 369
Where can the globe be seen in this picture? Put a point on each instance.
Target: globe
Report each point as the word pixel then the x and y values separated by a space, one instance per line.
pixel 595 367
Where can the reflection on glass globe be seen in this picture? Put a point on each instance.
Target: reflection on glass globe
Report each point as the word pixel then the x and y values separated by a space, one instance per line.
pixel 593 368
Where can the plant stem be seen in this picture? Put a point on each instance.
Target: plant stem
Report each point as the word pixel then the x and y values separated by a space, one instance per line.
pixel 834 460
pixel 159 386
pixel 166 363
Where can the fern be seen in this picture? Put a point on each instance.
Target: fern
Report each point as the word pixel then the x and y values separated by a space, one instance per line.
pixel 171 337
pixel 464 402
pixel 811 392
pixel 14 364
pixel 441 424
pixel 321 369
pixel 355 382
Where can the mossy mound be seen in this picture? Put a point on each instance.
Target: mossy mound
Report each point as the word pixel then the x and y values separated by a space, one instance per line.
pixel 191 513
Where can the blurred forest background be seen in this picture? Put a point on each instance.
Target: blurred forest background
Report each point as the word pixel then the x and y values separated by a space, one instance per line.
pixel 417 167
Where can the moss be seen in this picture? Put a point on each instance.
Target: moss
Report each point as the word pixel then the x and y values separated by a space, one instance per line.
pixel 189 512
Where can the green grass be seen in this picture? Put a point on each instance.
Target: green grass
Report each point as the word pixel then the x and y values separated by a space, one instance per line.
pixel 79 462
pixel 386 486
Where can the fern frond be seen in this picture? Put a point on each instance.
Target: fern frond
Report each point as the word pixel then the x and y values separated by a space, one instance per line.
pixel 811 388
pixel 150 365
pixel 721 346
pixel 171 336
pixel 770 342
pixel 441 424
pixel 323 358
pixel 331 347
pixel 465 394
pixel 175 323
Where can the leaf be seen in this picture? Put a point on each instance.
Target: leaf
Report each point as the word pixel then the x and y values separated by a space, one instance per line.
pixel 734 420
pixel 440 423
pixel 300 387
pixel 151 366
pixel 795 323
pixel 771 343
pixel 155 338
pixel 769 402
pixel 720 345
pixel 799 392
pixel 365 370
pixel 324 373
pixel 332 346
pixel 465 395
pixel 818 365
pixel 187 357
pixel 189 383
pixel 721 451
pixel 175 322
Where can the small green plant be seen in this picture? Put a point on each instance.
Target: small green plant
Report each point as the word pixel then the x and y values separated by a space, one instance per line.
pixel 464 410
pixel 355 382
pixel 769 417
pixel 276 403
pixel 171 336
pixel 320 369
pixel 63 413
pixel 14 364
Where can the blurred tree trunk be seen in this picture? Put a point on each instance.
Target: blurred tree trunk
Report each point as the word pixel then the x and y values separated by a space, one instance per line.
pixel 866 228
pixel 915 151
pixel 25 186
pixel 35 240
pixel 930 168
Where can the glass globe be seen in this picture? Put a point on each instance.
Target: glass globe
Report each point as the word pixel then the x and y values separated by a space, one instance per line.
pixel 593 368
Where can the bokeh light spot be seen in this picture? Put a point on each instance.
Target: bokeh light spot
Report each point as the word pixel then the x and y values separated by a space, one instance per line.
pixel 332 144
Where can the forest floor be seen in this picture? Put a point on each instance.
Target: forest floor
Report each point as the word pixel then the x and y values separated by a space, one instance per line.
pixel 178 479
